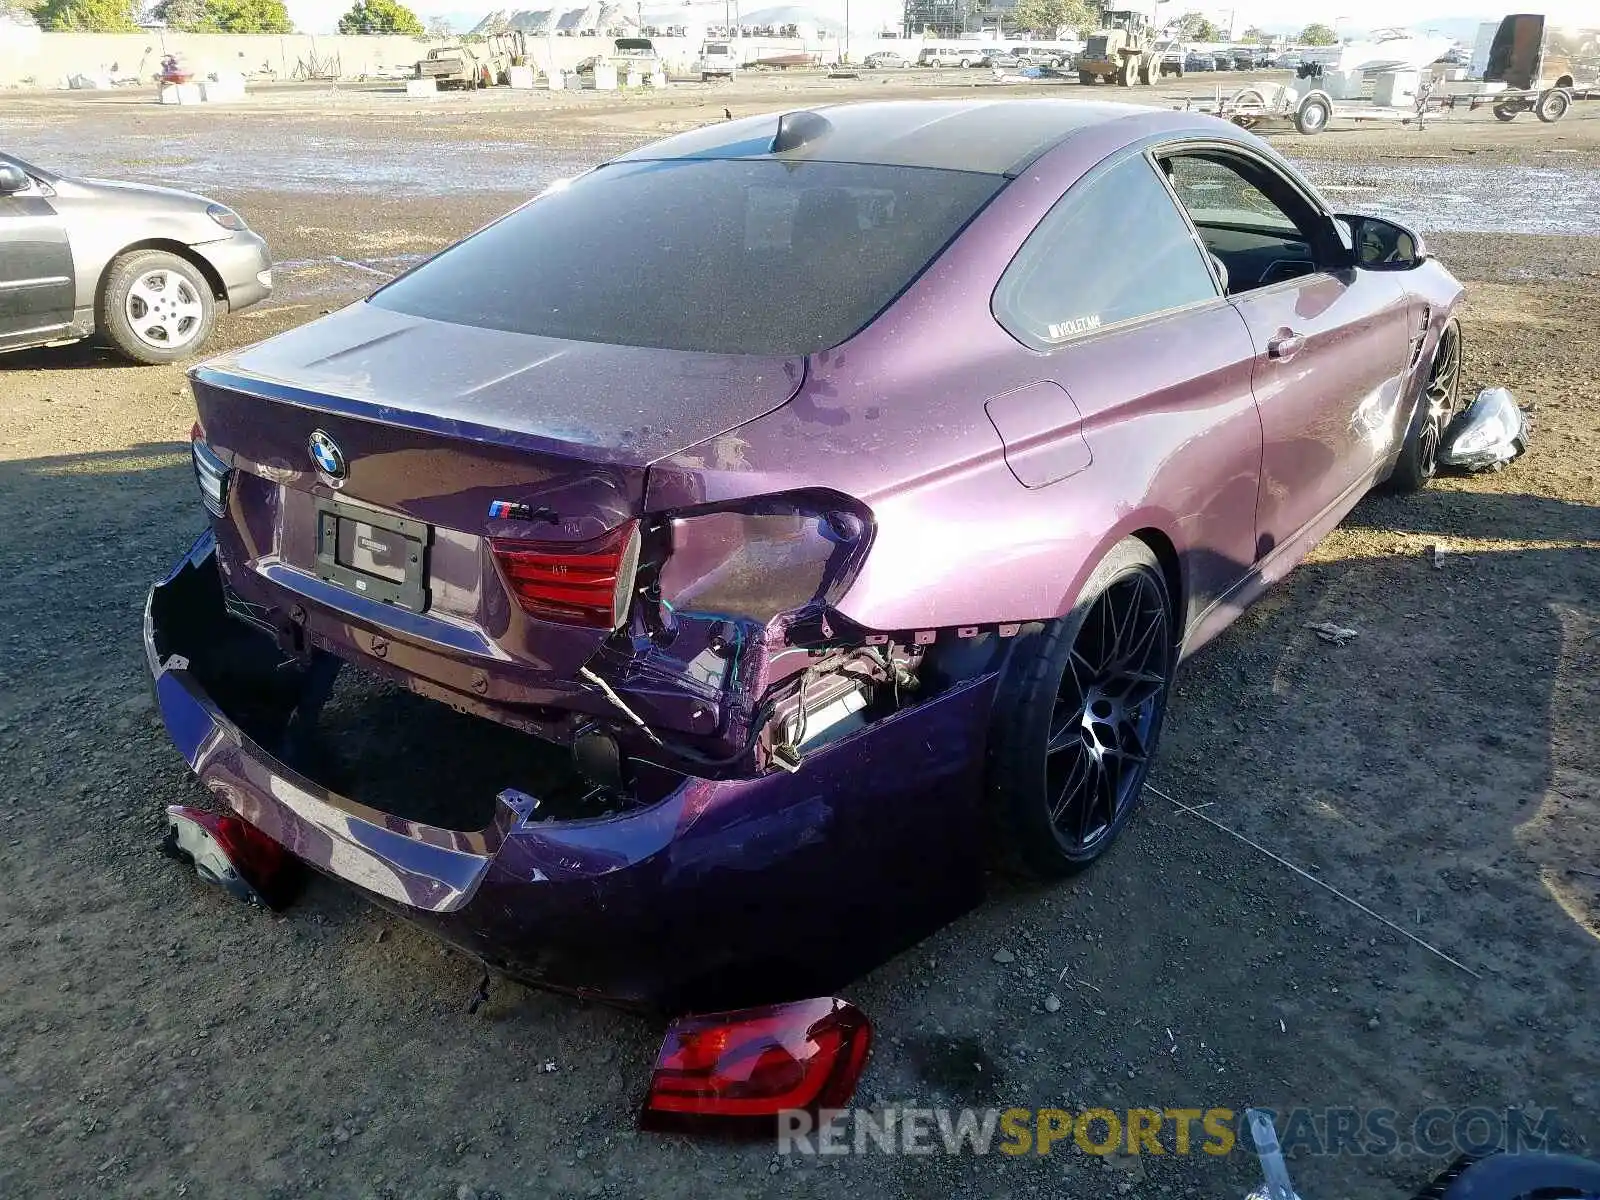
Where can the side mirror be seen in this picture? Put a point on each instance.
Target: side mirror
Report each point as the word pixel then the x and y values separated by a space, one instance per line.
pixel 1377 244
pixel 13 179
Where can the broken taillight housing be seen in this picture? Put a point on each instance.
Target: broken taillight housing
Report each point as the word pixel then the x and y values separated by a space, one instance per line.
pixel 765 556
pixel 229 851
pixel 741 1069
pixel 574 583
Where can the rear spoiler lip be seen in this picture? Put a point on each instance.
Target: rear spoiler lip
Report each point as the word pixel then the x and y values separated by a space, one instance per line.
pixel 383 414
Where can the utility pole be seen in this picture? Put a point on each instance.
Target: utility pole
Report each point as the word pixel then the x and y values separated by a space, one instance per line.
pixel 847 31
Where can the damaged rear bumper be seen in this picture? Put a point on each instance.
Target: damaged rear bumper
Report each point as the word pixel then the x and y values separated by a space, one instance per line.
pixel 728 892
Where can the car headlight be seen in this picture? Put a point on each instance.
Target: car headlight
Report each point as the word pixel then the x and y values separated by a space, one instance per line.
pixel 226 217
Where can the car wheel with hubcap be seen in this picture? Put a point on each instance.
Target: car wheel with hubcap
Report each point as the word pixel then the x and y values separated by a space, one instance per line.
pixel 1436 406
pixel 156 307
pixel 1078 715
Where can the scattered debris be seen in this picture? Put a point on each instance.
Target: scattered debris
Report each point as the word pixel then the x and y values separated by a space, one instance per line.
pixel 1004 956
pixel 1329 632
pixel 1052 1003
pixel 1438 553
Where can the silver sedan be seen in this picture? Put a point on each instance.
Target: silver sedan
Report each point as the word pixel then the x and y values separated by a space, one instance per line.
pixel 146 269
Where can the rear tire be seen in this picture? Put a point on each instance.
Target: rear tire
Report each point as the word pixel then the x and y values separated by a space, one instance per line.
pixel 155 307
pixel 1078 715
pixel 1504 112
pixel 1088 78
pixel 1418 462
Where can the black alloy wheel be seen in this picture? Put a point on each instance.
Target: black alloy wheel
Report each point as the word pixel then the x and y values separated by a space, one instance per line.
pixel 1079 714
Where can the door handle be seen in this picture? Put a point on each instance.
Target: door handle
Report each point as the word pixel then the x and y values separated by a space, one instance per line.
pixel 1285 345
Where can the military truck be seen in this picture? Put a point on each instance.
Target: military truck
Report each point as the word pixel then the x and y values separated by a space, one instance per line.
pixel 1121 51
pixel 474 65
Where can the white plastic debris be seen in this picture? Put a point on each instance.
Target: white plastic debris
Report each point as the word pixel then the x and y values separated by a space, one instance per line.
pixel 1329 632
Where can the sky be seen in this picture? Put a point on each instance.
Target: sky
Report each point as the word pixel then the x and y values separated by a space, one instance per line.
pixel 320 16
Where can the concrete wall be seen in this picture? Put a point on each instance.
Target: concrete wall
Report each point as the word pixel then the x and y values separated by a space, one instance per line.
pixel 45 60
pixel 48 58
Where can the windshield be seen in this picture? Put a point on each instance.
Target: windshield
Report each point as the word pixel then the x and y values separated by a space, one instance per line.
pixel 722 255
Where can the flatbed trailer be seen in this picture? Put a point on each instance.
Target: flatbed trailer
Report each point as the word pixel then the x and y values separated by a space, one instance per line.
pixel 1313 110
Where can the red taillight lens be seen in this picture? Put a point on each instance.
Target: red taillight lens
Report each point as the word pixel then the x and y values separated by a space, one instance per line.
pixel 229 851
pixel 749 1066
pixel 575 583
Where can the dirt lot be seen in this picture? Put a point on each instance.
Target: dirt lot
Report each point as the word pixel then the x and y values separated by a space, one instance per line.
pixel 157 1039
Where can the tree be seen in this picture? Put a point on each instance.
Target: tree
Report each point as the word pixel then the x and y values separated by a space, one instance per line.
pixel 87 16
pixel 186 16
pixel 1197 27
pixel 440 27
pixel 380 16
pixel 1256 35
pixel 1047 17
pixel 1318 35
pixel 251 16
pixel 225 16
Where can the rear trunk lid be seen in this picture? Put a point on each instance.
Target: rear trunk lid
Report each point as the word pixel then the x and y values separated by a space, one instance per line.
pixel 435 422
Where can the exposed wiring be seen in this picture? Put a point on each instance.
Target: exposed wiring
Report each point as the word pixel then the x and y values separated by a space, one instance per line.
pixel 621 704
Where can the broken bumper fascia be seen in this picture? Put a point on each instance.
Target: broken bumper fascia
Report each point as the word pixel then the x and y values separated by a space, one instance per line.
pixel 704 894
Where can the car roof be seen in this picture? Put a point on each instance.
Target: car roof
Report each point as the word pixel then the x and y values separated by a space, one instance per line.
pixel 992 137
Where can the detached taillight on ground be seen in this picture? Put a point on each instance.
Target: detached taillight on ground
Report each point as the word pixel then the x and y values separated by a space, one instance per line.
pixel 575 583
pixel 736 1071
pixel 229 851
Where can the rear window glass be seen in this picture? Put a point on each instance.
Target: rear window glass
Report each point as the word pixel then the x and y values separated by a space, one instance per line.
pixel 727 256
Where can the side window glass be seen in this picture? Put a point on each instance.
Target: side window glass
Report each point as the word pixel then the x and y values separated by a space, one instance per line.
pixel 1113 249
pixel 1253 223
pixel 1217 194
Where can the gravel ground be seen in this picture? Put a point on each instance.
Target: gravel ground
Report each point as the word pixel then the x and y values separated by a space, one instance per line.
pixel 157 1039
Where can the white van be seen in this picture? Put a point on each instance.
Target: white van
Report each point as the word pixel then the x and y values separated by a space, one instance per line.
pixel 951 56
pixel 717 61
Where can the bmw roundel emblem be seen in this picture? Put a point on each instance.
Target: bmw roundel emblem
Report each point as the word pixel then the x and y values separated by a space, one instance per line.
pixel 326 454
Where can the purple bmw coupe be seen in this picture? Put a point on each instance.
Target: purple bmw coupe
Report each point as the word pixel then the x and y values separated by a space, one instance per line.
pixel 831 490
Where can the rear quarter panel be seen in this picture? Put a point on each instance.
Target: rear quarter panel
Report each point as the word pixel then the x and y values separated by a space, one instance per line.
pixel 896 417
